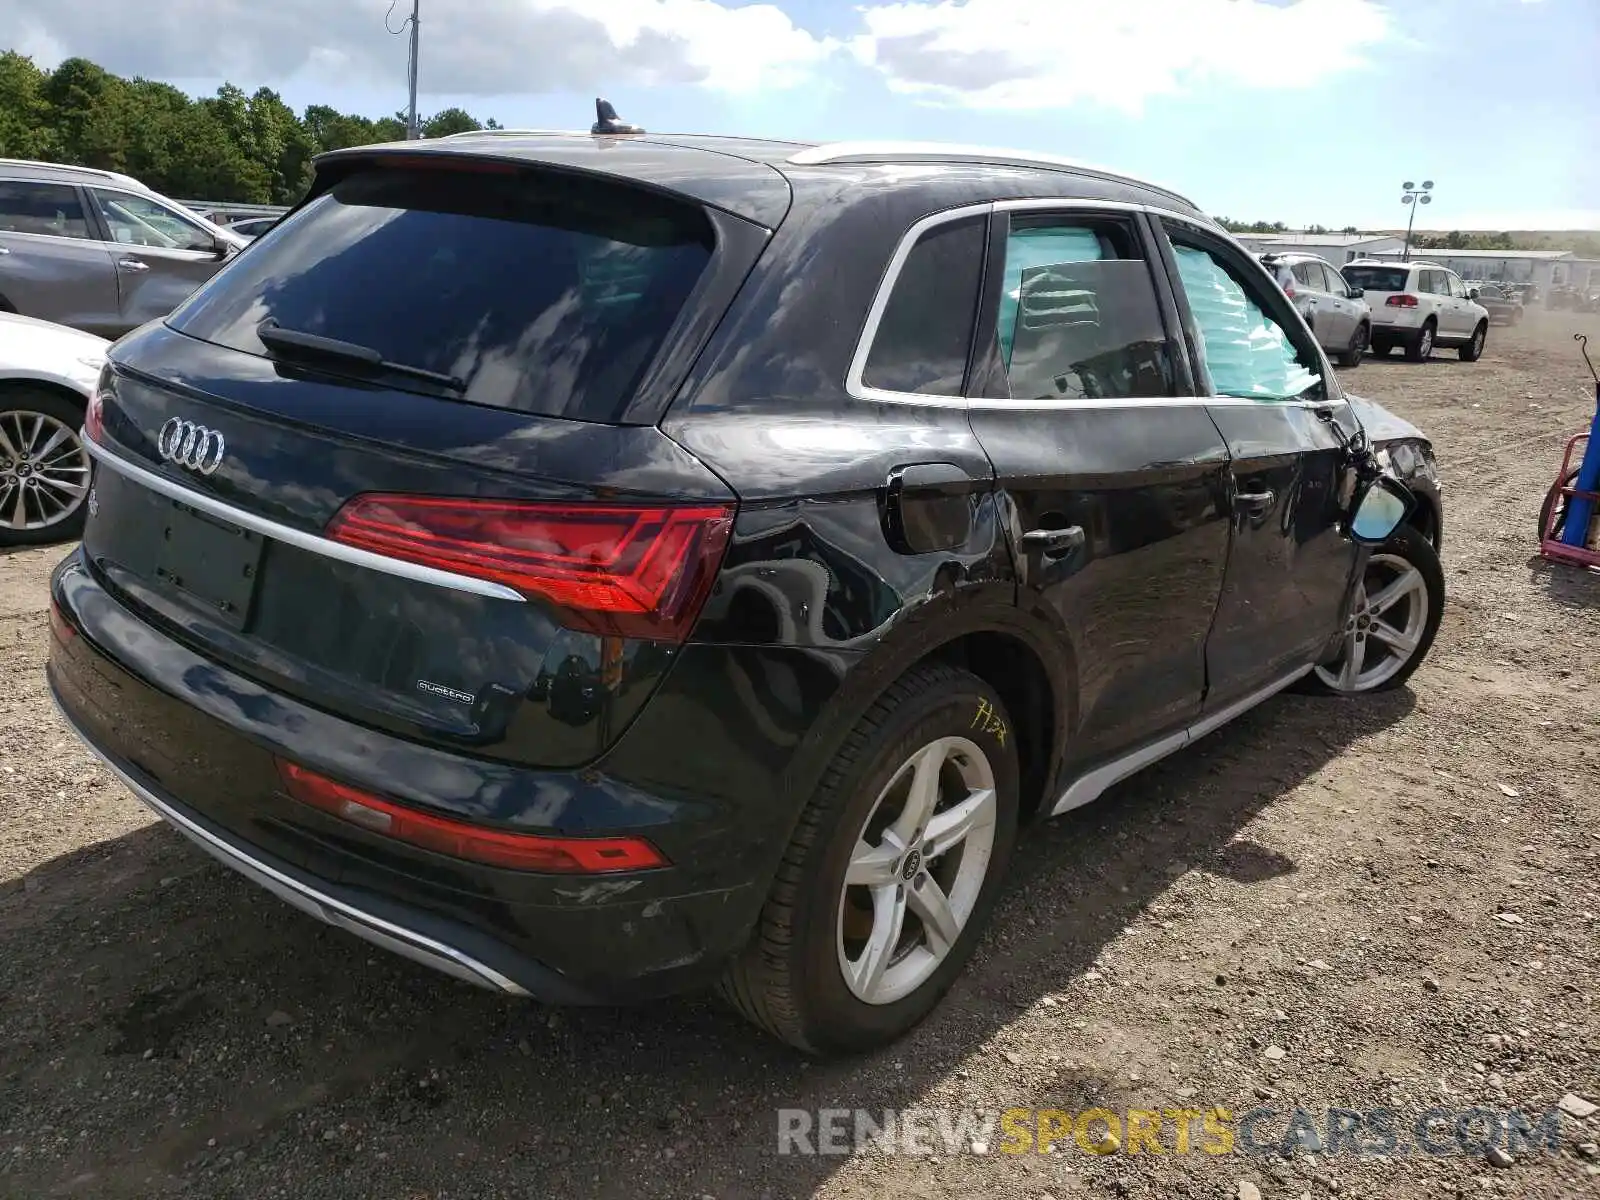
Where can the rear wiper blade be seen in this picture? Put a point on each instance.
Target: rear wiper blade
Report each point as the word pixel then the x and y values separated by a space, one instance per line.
pixel 276 337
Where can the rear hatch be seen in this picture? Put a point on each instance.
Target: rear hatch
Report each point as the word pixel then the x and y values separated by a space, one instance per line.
pixel 1379 283
pixel 400 460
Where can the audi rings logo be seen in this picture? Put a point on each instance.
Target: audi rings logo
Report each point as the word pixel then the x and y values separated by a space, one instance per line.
pixel 190 445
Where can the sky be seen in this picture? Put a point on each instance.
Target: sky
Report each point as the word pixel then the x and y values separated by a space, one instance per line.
pixel 1299 111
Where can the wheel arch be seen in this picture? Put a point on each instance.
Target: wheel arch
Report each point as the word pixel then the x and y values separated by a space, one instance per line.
pixel 10 384
pixel 1031 668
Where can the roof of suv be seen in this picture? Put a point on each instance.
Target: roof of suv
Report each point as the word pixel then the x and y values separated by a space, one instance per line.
pixel 731 172
pixel 22 168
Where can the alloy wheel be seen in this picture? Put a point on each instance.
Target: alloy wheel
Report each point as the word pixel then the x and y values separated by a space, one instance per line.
pixel 917 869
pixel 1384 627
pixel 44 470
pixel 1425 342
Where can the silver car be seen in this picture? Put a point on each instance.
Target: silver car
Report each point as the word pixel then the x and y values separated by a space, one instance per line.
pixel 99 251
pixel 1333 310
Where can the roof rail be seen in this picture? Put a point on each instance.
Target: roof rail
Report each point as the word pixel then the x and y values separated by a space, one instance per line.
pixel 53 166
pixel 946 152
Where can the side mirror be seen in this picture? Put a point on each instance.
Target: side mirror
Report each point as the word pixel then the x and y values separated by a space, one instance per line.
pixel 221 249
pixel 1357 293
pixel 1473 294
pixel 1381 507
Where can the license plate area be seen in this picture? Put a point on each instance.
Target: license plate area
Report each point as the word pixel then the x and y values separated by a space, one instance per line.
pixel 208 562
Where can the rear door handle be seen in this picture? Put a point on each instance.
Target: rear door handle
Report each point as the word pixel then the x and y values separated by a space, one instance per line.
pixel 1254 503
pixel 132 264
pixel 1054 543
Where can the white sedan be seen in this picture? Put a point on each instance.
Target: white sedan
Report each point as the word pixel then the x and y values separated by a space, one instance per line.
pixel 47 374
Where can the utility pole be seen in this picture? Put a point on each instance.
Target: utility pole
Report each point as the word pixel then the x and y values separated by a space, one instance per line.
pixel 412 131
pixel 1412 195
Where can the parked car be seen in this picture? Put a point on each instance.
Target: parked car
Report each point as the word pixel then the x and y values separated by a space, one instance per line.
pixel 632 563
pixel 1419 305
pixel 1333 310
pixel 1501 307
pixel 47 374
pixel 97 250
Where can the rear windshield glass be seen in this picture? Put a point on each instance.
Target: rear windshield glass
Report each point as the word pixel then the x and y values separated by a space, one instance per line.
pixel 1377 279
pixel 539 291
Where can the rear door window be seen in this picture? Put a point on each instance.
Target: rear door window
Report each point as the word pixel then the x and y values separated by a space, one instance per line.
pixel 1309 275
pixel 47 209
pixel 1078 315
pixel 925 333
pixel 539 291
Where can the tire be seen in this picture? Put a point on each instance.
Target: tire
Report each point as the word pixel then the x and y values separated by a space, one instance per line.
pixel 1351 357
pixel 1473 350
pixel 1420 348
pixel 1551 500
pixel 31 419
pixel 791 980
pixel 1407 551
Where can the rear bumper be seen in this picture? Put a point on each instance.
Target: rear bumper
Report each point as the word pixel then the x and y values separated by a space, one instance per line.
pixel 196 743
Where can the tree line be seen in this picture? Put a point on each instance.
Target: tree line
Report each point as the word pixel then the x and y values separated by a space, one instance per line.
pixel 251 149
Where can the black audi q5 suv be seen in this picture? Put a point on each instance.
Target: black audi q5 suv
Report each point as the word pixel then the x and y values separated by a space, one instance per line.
pixel 598 566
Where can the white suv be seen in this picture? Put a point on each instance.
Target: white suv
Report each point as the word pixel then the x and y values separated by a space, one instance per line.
pixel 1419 305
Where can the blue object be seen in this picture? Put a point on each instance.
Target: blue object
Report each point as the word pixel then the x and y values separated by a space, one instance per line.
pixel 1242 350
pixel 1579 509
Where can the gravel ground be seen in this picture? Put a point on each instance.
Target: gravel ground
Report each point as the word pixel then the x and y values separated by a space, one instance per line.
pixel 1391 903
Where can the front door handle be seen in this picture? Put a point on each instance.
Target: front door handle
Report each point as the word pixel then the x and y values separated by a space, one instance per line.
pixel 1054 543
pixel 132 264
pixel 1254 504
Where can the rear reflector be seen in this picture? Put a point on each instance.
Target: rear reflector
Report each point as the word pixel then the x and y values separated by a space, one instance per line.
pixel 622 570
pixel 59 625
pixel 1403 300
pixel 493 847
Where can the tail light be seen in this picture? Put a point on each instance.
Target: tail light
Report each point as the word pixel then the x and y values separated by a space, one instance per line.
pixel 620 570
pixel 1403 300
pixel 458 839
pixel 59 625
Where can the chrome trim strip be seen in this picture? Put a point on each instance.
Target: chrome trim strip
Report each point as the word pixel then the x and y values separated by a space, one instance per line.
pixel 415 946
pixel 856 387
pixel 315 543
pixel 1091 785
pixel 956 152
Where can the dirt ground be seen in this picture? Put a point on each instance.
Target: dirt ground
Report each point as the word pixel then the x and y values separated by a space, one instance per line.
pixel 1393 903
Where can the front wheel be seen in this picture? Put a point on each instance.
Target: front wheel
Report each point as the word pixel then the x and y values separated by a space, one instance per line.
pixel 1392 620
pixel 45 471
pixel 1473 350
pixel 892 871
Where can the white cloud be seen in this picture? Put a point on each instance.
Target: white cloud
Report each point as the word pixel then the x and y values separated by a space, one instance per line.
pixel 1044 54
pixel 990 54
pixel 469 47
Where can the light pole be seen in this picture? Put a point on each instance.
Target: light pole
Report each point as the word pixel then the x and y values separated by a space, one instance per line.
pixel 1411 195
pixel 412 132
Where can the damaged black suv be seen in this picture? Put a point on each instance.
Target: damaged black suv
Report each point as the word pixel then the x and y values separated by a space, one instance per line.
pixel 602 565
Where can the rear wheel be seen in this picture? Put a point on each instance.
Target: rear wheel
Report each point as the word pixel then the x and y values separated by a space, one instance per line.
pixel 1358 347
pixel 1421 349
pixel 1473 350
pixel 1392 620
pixel 892 872
pixel 44 468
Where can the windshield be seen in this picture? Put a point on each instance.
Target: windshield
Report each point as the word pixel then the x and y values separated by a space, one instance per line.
pixel 1377 279
pixel 540 291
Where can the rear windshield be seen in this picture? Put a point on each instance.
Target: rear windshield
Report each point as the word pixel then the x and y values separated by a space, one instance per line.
pixel 1377 279
pixel 540 291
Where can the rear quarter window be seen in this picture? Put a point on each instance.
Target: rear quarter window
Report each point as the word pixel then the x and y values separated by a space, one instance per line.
pixel 541 291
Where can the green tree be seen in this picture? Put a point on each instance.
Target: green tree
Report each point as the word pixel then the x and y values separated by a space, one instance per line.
pixel 451 120
pixel 26 127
